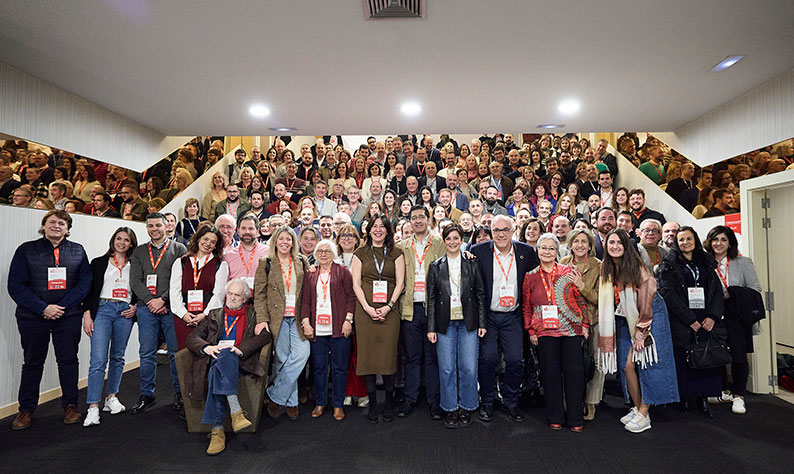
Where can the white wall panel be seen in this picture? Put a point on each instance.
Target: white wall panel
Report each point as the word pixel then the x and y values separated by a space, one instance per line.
pixel 35 110
pixel 760 117
pixel 94 234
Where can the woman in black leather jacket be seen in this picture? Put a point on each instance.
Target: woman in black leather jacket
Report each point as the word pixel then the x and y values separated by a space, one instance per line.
pixel 456 311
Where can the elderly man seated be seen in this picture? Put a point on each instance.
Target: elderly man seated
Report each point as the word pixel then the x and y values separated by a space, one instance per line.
pixel 225 344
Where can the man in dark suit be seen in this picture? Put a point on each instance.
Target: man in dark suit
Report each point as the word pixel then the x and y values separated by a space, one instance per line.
pixel 7 183
pixel 503 264
pixel 608 158
pixel 432 180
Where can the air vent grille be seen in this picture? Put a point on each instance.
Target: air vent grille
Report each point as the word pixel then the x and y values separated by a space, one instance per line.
pixel 377 9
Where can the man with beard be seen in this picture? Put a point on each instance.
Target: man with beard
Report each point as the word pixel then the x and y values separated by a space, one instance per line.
pixel 650 252
pixel 244 260
pixel 638 209
pixel 257 201
pixel 669 229
pixel 607 158
pixel 459 199
pixel 102 207
pixel 279 194
pixel 132 206
pixel 503 184
pixel 567 167
pixel 491 204
pixel 235 168
pixel 604 222
pixel 233 204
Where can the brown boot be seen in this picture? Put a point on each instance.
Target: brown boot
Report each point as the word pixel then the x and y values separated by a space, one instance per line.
pixel 217 442
pixel 71 415
pixel 239 421
pixel 273 409
pixel 339 414
pixel 318 411
pixel 22 420
pixel 293 413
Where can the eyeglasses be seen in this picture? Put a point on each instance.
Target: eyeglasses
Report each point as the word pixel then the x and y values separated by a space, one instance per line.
pixel 543 248
pixel 346 236
pixel 323 251
pixel 650 231
pixel 502 231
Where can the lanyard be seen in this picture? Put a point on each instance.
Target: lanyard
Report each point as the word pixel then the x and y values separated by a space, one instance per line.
pixel 151 257
pixel 424 254
pixel 617 295
pixel 80 188
pixel 190 223
pixel 695 273
pixel 422 169
pixel 196 271
pixel 724 278
pixel 287 278
pixel 57 254
pixel 218 195
pixel 229 208
pixel 116 264
pixel 658 258
pixel 250 260
pixel 325 285
pixel 608 198
pixel 379 267
pixel 291 185
pixel 550 285
pixel 228 329
pixel 499 261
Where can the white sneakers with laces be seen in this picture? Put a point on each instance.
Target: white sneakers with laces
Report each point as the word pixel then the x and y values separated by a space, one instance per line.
pixel 725 397
pixel 738 406
pixel 639 423
pixel 114 406
pixel 92 417
pixel 629 416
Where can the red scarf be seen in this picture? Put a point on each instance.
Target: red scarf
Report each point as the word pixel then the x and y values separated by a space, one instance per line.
pixel 241 323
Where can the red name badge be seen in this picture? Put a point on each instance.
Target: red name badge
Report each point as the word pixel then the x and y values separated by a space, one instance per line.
pixel 120 293
pixel 56 278
pixel 151 284
pixel 195 301
pixel 419 287
pixel 551 318
pixel 379 289
pixel 324 319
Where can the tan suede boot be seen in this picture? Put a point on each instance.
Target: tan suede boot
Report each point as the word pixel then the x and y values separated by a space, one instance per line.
pixel 239 421
pixel 217 442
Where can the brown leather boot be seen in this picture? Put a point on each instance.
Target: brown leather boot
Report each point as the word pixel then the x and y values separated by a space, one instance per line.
pixel 293 413
pixel 71 415
pixel 22 421
pixel 318 411
pixel 339 414
pixel 273 409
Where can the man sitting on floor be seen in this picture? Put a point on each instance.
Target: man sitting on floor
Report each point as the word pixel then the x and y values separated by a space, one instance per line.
pixel 224 343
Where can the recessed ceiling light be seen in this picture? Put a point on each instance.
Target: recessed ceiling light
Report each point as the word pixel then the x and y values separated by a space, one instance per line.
pixel 569 106
pixel 551 125
pixel 283 129
pixel 411 108
pixel 258 111
pixel 726 63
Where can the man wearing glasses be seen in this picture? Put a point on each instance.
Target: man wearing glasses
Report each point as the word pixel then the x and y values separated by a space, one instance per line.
pixel 503 264
pixel 651 252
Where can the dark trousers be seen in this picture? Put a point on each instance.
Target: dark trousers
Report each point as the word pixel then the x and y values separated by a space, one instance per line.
pixel 35 337
pixel 339 348
pixel 222 379
pixel 561 361
pixel 415 346
pixel 505 330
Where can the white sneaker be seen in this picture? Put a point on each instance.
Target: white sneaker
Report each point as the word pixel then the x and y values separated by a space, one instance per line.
pixel 738 406
pixel 162 351
pixel 92 418
pixel 348 401
pixel 114 406
pixel 629 416
pixel 639 423
pixel 363 402
pixel 725 397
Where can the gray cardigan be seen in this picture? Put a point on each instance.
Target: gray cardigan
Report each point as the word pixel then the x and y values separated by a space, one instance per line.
pixel 141 266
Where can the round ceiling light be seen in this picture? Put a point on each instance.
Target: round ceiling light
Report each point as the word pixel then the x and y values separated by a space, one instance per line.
pixel 258 111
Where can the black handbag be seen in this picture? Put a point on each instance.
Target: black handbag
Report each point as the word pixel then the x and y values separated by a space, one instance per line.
pixel 708 353
pixel 588 362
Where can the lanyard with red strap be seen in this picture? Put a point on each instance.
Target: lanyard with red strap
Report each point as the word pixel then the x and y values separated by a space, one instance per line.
pixel 196 271
pixel 57 254
pixel 421 259
pixel 151 257
pixel 549 286
pixel 505 273
pixel 226 328
pixel 325 285
pixel 287 278
pixel 724 278
pixel 119 267
pixel 250 260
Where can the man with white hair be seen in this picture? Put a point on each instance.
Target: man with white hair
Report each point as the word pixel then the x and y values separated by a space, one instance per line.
pixel 503 263
pixel 340 219
pixel 228 338
pixel 225 224
pixel 651 253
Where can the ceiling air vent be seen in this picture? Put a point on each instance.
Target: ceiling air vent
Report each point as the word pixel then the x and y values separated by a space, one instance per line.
pixel 377 9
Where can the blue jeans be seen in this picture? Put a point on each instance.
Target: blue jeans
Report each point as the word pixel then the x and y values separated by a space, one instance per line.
pixel 457 351
pixel 149 325
pixel 291 357
pixel 658 382
pixel 415 345
pixel 340 350
pixel 222 380
pixel 505 330
pixel 111 334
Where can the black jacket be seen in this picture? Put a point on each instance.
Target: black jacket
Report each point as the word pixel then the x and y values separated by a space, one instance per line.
pixel 673 289
pixel 472 294
pixel 99 266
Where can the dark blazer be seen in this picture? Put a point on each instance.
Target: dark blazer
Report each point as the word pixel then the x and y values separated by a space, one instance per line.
pixel 208 333
pixel 343 300
pixel 99 266
pixel 441 183
pixel 7 189
pixel 611 162
pixel 672 287
pixel 526 260
pixel 438 295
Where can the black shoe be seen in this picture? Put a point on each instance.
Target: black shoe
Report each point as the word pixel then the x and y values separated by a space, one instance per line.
pixel 405 409
pixel 685 407
pixel 436 413
pixel 464 418
pixel 388 407
pixel 486 412
pixel 451 420
pixel 704 407
pixel 372 409
pixel 182 415
pixel 143 403
pixel 514 414
pixel 177 406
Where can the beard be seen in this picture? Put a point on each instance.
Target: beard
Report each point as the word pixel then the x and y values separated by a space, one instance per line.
pixel 490 202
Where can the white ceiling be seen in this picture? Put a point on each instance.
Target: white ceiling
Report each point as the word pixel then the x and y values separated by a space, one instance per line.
pixel 193 67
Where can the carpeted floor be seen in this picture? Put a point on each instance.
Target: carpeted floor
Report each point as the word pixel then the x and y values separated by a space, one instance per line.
pixel 157 442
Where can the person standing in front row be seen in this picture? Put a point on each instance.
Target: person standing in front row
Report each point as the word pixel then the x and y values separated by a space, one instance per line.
pixel 378 278
pixel 418 251
pixel 150 276
pixel 455 324
pixel 48 280
pixel 503 264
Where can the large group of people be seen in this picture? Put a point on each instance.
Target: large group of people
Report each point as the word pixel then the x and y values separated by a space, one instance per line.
pixel 480 271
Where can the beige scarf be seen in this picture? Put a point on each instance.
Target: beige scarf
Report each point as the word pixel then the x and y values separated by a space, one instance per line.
pixel 607 353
